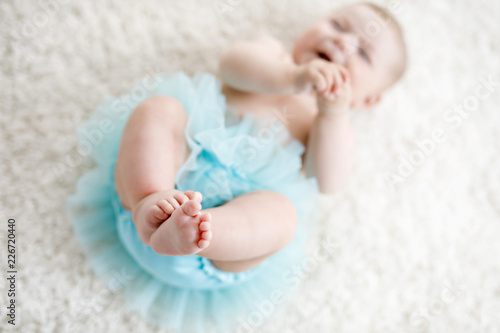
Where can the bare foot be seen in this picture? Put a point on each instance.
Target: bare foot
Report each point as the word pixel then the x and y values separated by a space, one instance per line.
pixel 174 223
pixel 154 209
pixel 185 232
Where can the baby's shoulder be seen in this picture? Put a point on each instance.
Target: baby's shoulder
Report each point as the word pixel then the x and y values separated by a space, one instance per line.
pixel 269 41
pixel 273 45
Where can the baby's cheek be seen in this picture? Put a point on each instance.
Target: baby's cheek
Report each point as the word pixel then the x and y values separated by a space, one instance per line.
pixel 315 34
pixel 356 80
pixel 362 81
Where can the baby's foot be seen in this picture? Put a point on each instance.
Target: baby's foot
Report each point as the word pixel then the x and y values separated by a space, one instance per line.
pixel 151 211
pixel 186 231
pixel 157 207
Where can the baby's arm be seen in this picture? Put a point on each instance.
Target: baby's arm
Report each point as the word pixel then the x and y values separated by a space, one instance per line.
pixel 260 65
pixel 329 155
pixel 263 66
pixel 330 147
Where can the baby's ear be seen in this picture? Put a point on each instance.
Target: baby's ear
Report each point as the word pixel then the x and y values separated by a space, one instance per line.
pixel 372 100
pixel 367 102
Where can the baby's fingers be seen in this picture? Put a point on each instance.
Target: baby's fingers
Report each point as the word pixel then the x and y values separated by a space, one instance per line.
pixel 318 80
pixel 346 78
pixel 338 81
pixel 328 79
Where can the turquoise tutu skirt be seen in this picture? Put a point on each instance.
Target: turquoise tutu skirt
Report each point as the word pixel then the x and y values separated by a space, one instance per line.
pixel 229 156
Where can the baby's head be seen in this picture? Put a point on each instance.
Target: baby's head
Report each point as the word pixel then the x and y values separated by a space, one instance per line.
pixel 366 40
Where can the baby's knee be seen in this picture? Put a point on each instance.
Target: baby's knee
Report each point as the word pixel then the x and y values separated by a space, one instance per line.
pixel 161 107
pixel 287 214
pixel 284 209
pixel 288 209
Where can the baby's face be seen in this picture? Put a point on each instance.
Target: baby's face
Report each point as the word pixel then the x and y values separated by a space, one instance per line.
pixel 358 38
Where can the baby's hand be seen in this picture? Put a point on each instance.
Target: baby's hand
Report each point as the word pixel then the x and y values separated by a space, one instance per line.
pixel 330 81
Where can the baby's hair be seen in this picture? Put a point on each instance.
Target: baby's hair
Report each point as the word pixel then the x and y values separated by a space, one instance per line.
pixel 399 67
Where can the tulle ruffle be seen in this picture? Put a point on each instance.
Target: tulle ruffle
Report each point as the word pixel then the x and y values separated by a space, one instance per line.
pixel 229 156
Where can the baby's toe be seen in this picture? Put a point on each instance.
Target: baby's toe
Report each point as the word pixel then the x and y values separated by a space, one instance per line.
pixel 206 235
pixel 205 217
pixel 191 208
pixel 204 226
pixel 203 243
pixel 181 197
pixel 165 206
pixel 196 196
pixel 158 214
pixel 173 201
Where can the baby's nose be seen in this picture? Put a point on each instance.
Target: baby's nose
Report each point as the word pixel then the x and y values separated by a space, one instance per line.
pixel 349 43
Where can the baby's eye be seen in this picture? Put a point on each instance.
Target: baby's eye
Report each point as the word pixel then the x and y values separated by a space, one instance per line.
pixel 364 55
pixel 336 25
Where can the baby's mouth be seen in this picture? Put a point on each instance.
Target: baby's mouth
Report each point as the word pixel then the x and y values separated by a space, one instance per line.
pixel 324 56
pixel 330 52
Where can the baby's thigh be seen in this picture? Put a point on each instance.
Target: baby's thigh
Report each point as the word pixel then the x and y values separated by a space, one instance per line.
pixel 152 148
pixel 164 110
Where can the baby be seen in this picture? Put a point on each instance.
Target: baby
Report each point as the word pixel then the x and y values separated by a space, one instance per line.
pixel 345 60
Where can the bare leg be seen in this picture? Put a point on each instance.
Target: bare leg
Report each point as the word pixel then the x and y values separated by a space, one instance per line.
pixel 255 224
pixel 152 149
pixel 240 265
pixel 236 236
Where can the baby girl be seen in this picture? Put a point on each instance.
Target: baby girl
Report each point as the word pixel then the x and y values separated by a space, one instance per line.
pixel 173 140
pixel 335 65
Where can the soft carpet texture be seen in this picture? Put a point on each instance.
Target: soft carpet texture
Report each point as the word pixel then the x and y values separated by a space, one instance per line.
pixel 414 235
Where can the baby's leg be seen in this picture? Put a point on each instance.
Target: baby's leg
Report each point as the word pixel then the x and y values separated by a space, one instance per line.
pixel 246 230
pixel 152 149
pixel 249 229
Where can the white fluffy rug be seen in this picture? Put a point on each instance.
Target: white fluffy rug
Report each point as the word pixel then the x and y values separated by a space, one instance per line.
pixel 416 234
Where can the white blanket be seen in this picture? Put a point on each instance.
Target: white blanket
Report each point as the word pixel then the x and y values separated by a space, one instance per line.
pixel 415 234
